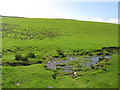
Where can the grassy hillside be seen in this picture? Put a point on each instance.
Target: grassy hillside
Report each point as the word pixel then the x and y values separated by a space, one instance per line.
pixel 27 41
pixel 46 33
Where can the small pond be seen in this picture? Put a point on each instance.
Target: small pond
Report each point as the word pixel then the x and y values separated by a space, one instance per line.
pixel 84 62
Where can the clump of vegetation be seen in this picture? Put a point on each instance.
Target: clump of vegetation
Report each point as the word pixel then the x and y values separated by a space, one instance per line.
pixel 73 62
pixel 18 57
pixel 24 59
pixel 56 73
pixel 60 53
pixel 101 66
pixel 59 68
pixel 65 58
pixel 92 66
pixel 31 55
pixel 101 59
pixel 61 64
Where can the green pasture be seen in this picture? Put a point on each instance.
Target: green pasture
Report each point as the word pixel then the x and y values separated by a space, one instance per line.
pixel 43 37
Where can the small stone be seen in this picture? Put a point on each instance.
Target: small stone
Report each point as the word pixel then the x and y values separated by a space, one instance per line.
pixel 50 87
pixel 74 72
pixel 17 84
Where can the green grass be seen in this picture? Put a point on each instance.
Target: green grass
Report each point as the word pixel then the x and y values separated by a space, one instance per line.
pixel 26 75
pixel 72 34
pixel 44 37
pixel 35 76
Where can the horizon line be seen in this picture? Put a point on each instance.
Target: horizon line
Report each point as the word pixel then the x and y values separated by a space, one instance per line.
pixel 58 18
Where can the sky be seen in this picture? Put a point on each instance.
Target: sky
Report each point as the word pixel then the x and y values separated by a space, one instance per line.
pixel 89 10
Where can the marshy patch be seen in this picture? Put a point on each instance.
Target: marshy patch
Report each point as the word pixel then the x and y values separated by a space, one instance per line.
pixel 75 61
pixel 82 63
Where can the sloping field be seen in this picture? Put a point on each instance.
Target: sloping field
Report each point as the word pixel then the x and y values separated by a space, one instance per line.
pixel 28 44
pixel 58 33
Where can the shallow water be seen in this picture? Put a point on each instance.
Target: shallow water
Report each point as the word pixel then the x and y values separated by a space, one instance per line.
pixel 86 62
pixel 53 64
pixel 95 60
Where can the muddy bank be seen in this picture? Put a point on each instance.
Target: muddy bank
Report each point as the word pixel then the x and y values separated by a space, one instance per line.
pixel 19 63
pixel 65 57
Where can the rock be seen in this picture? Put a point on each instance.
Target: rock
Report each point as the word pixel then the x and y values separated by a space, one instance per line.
pixel 17 84
pixel 50 87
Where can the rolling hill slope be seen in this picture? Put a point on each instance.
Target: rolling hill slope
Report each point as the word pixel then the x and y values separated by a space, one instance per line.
pixel 29 43
pixel 47 33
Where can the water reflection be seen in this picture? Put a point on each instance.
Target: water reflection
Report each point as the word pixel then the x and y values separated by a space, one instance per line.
pixel 86 62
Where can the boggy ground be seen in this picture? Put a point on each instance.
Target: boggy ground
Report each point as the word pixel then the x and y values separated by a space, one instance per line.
pixel 30 65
